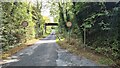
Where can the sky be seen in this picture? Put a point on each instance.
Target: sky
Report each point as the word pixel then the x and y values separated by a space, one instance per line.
pixel 45 10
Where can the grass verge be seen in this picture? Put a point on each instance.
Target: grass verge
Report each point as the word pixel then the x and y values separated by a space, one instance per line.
pixel 17 48
pixel 74 47
pixel 14 50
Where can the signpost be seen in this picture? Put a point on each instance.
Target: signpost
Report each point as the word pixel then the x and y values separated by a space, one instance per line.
pixel 84 38
pixel 69 24
pixel 24 24
pixel 86 26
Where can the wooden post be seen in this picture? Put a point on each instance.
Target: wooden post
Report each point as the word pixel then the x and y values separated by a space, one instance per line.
pixel 84 38
pixel 69 34
pixel 25 35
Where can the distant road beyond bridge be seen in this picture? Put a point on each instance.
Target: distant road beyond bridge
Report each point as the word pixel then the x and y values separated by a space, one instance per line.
pixel 50 24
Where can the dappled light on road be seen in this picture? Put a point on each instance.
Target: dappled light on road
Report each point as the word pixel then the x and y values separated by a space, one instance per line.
pixel 46 41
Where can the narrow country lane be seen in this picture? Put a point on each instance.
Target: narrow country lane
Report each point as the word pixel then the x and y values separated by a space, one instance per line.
pixel 46 52
pixel 60 33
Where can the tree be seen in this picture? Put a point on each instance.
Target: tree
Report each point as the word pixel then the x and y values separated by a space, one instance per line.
pixel 38 19
pixel 12 31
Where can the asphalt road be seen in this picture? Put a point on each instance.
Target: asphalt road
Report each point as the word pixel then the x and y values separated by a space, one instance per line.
pixel 47 52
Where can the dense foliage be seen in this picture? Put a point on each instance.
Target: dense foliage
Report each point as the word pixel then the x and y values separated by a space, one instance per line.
pixel 12 15
pixel 101 21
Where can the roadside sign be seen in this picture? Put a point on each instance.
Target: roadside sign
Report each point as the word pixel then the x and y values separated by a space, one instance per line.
pixel 69 24
pixel 24 23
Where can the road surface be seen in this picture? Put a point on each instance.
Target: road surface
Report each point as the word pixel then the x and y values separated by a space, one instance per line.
pixel 47 52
